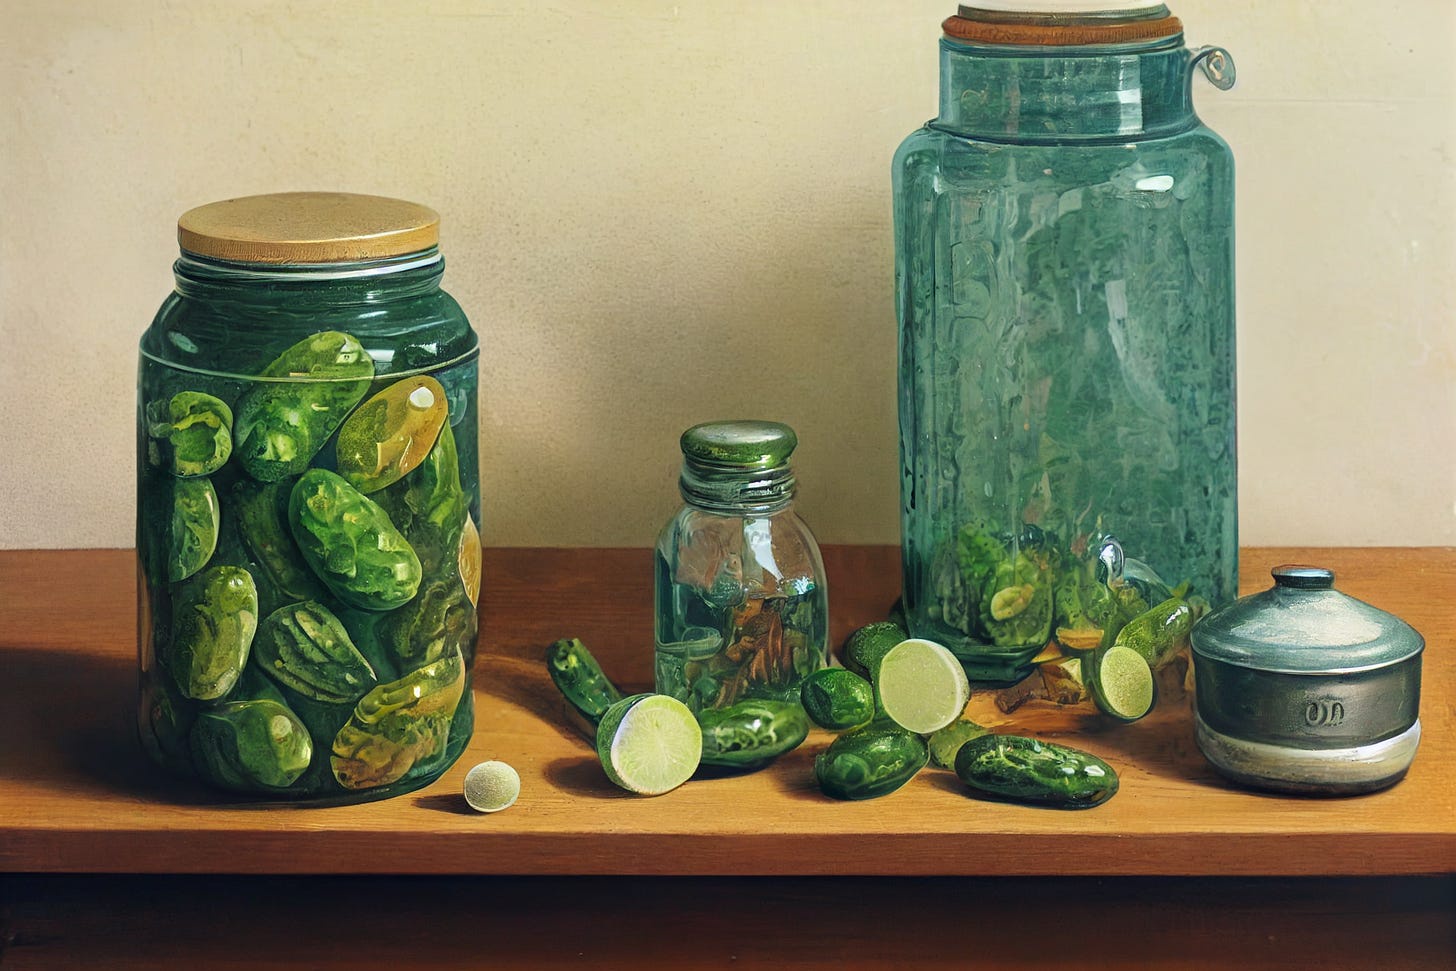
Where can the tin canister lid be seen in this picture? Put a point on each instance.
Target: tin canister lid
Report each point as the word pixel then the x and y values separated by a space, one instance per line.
pixel 1302 625
pixel 308 228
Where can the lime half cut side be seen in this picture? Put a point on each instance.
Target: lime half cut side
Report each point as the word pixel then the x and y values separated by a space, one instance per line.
pixel 1123 684
pixel 921 686
pixel 649 744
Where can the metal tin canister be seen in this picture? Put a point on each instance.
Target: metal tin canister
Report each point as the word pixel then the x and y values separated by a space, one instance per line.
pixel 1302 688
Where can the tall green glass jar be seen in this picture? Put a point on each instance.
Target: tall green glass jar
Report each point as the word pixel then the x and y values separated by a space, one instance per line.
pixel 307 502
pixel 1064 286
pixel 742 605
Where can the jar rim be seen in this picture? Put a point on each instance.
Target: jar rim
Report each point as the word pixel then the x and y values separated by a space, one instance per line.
pixel 206 267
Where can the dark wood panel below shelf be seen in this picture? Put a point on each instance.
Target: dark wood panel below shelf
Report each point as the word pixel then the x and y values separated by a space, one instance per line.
pixel 247 923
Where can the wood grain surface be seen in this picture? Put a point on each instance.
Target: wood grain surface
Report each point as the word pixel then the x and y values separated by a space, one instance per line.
pixel 77 796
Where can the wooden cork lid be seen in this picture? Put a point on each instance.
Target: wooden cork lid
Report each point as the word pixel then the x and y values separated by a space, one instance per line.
pixel 1083 22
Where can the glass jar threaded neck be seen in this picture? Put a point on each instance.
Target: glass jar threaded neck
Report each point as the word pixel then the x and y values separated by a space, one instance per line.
pixel 733 490
pixel 362 281
pixel 1078 92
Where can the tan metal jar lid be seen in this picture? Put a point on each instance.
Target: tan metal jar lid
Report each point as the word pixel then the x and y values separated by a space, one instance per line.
pixel 308 227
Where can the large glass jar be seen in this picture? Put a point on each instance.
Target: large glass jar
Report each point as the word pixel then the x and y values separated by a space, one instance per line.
pixel 742 608
pixel 1064 285
pixel 307 502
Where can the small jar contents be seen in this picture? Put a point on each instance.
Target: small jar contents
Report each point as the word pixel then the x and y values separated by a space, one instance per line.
pixel 742 610
pixel 307 495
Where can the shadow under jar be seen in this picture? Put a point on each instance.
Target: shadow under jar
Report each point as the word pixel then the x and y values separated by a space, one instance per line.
pixel 308 502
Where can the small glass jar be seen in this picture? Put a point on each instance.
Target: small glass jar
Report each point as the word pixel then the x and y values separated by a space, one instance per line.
pixel 742 608
pixel 307 500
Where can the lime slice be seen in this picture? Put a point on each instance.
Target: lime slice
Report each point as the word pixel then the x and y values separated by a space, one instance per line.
pixel 921 686
pixel 865 647
pixel 1123 685
pixel 649 744
pixel 491 787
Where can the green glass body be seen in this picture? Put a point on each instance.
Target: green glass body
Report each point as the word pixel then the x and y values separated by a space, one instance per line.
pixel 742 608
pixel 1064 287
pixel 308 503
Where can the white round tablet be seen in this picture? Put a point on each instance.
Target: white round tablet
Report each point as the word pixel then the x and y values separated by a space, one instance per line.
pixel 492 786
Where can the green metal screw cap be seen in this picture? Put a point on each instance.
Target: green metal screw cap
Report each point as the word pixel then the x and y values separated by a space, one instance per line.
pixel 739 444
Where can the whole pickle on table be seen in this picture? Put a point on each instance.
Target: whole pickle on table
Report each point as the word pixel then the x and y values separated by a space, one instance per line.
pixel 214 617
pixel 398 725
pixel 867 645
pixel 838 699
pixel 580 680
pixel 282 423
pixel 391 433
pixel 191 433
pixel 305 647
pixel 251 745
pixel 261 514
pixel 1031 771
pixel 1158 634
pixel 751 733
pixel 869 763
pixel 351 544
pixel 196 519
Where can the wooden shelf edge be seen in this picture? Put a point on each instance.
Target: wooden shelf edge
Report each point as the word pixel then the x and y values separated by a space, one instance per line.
pixel 654 854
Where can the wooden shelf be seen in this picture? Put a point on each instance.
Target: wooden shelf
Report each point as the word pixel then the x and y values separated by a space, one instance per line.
pixel 78 796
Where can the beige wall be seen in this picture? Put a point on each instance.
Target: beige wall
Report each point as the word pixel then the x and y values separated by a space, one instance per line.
pixel 661 213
